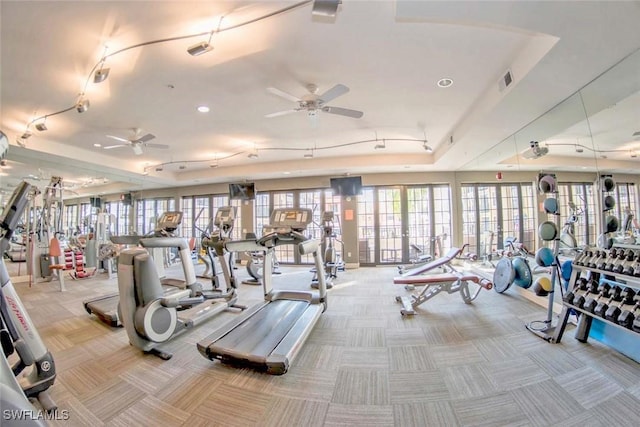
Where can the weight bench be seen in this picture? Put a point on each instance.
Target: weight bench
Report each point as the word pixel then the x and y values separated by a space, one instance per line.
pixel 432 285
pixel 440 262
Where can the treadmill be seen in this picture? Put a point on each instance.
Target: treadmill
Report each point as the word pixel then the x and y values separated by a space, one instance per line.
pixel 269 335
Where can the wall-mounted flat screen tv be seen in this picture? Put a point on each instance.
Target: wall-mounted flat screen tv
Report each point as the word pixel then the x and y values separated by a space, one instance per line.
pixel 242 191
pixel 96 202
pixel 348 186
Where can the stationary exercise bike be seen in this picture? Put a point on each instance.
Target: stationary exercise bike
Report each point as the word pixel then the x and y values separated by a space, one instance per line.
pixel 333 261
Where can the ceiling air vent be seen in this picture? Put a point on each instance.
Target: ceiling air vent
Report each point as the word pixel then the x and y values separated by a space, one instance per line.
pixel 505 81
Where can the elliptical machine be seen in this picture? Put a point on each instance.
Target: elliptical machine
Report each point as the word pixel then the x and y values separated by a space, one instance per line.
pixel 149 315
pixel 568 242
pixel 18 334
pixel 223 281
pixel 332 258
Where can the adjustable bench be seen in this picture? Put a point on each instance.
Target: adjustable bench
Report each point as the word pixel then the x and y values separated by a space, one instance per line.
pixel 440 262
pixel 431 285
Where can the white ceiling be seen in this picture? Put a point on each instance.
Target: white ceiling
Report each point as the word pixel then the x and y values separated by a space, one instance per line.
pixel 389 53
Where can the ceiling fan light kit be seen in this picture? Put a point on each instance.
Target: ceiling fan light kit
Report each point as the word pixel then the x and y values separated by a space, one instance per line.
pixel 312 103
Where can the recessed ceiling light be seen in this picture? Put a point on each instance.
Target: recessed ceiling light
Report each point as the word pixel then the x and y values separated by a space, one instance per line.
pixel 446 82
pixel 203 109
pixel 97 145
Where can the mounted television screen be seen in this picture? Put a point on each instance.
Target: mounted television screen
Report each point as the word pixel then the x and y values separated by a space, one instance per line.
pixel 96 202
pixel 349 186
pixel 243 191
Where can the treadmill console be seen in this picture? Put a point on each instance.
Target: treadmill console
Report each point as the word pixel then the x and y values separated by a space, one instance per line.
pixel 169 221
pixel 289 218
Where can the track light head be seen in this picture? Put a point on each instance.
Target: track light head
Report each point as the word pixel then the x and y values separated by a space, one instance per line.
pixel 159 168
pixel 42 126
pixel 325 7
pixel 82 105
pixel 101 75
pixel 199 48
pixel 26 135
pixel 213 165
pixel 253 155
pixel 308 156
pixel 427 147
pixel 381 145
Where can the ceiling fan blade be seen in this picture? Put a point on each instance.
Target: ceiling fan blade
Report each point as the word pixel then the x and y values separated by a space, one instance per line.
pixel 109 147
pixel 117 138
pixel 282 113
pixel 343 112
pixel 145 138
pixel 282 94
pixel 163 146
pixel 333 93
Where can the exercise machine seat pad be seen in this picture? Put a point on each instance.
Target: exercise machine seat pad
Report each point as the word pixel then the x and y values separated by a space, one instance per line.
pixel 439 278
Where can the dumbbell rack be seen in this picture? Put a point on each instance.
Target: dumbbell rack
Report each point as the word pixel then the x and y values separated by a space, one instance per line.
pixel 586 318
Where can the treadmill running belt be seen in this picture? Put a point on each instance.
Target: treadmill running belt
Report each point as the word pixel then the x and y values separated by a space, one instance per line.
pixel 256 337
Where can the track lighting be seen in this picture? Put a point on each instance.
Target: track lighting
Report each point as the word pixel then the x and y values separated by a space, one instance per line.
pixel 579 149
pixel 82 104
pixel 213 165
pixel 199 49
pixel 101 75
pixel 253 155
pixel 381 146
pixel 42 126
pixel 159 168
pixel 427 147
pixel 308 155
pixel 634 154
pixel 26 135
pixel 325 7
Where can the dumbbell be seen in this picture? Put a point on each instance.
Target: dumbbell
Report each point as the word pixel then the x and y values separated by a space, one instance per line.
pixel 591 288
pixel 614 311
pixel 614 259
pixel 590 303
pixel 602 307
pixel 602 262
pixel 622 261
pixel 581 284
pixel 636 324
pixel 584 256
pixel 627 317
pixel 591 262
pixel 630 263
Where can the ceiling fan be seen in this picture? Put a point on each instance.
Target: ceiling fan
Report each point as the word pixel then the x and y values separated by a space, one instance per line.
pixel 136 143
pixel 312 103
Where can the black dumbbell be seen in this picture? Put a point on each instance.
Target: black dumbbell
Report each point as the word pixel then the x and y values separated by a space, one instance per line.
pixel 622 261
pixel 627 317
pixel 614 311
pixel 590 303
pixel 581 284
pixel 614 259
pixel 591 287
pixel 629 265
pixel 602 262
pixel 602 307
